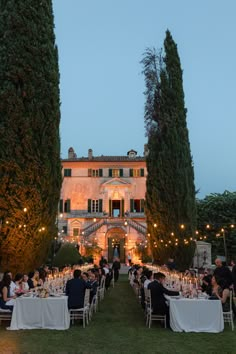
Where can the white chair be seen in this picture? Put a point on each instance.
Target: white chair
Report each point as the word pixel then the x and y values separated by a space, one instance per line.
pixel 150 316
pixel 93 306
pixel 229 316
pixel 101 289
pixel 82 313
pixel 5 315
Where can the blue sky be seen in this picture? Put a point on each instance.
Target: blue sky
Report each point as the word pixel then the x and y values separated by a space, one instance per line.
pixel 101 43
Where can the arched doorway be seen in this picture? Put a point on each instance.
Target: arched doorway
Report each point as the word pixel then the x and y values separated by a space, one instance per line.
pixel 116 244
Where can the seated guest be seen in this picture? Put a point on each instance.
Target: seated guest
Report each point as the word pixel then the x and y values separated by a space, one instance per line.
pixel 4 293
pixel 85 276
pixel 220 291
pixel 206 284
pixel 31 280
pixel 75 290
pixel 12 284
pixel 221 271
pixel 36 280
pixel 157 295
pixel 24 284
pixel 94 285
pixel 18 280
pixel 148 279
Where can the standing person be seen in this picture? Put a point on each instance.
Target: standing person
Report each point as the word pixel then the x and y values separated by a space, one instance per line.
pixel 116 268
pixel 129 259
pixel 102 262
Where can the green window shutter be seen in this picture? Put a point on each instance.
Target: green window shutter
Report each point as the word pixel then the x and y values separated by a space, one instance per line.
pixel 110 172
pixel 110 207
pixel 131 205
pixel 89 205
pixel 131 172
pixel 100 206
pixel 121 172
pixel 142 172
pixel 122 208
pixel 67 206
pixel 142 205
pixel 89 172
pixel 100 172
pixel 69 172
pixel 61 206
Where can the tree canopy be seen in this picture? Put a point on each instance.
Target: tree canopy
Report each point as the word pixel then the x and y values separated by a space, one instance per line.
pixel 30 167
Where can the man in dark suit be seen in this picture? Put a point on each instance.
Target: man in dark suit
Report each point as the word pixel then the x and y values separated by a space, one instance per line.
pixel 158 299
pixel 116 268
pixel 75 290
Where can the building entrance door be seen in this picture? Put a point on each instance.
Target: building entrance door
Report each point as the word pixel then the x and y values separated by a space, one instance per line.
pixel 116 249
pixel 116 208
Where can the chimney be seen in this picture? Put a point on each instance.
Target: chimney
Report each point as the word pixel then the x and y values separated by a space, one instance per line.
pixel 145 153
pixel 71 153
pixel 90 154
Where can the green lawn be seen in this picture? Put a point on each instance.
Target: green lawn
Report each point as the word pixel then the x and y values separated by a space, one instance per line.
pixel 118 327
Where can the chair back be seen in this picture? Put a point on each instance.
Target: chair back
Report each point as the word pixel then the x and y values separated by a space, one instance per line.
pixel 86 297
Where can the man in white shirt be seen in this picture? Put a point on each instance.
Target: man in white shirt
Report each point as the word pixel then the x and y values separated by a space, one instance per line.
pixel 148 280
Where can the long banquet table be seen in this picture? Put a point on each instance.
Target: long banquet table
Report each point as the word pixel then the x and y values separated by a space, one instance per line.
pixel 35 313
pixel 196 315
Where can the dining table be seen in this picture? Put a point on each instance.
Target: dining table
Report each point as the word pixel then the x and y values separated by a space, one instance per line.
pixel 195 315
pixel 32 312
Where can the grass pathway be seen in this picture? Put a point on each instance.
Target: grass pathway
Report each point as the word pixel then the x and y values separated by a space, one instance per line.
pixel 118 327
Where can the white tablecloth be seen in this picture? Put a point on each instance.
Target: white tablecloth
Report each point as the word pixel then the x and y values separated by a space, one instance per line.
pixel 34 312
pixel 196 315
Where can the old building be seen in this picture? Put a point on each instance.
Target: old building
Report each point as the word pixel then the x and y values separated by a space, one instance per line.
pixel 102 203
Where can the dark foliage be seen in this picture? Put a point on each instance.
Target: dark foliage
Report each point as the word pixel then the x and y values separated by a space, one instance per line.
pixel 30 170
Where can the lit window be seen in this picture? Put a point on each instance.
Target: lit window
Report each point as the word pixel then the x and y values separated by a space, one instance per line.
pixel 95 206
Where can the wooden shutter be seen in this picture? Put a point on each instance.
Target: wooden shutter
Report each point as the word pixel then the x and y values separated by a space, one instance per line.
pixel 122 208
pixel 131 205
pixel 110 172
pixel 100 206
pixel 142 205
pixel 121 172
pixel 142 172
pixel 61 206
pixel 110 207
pixel 131 172
pixel 89 205
pixel 100 172
pixel 89 172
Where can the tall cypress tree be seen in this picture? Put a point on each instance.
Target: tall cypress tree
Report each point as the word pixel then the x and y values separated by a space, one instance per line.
pixel 30 168
pixel 170 195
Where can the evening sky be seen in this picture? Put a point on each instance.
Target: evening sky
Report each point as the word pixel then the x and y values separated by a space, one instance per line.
pixel 101 43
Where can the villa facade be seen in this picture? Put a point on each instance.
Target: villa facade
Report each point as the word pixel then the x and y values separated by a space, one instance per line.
pixel 102 203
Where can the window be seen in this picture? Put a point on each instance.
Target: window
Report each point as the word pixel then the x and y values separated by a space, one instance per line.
pixel 137 205
pixel 67 172
pixel 75 231
pixel 95 205
pixel 136 172
pixel 95 173
pixel 116 172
